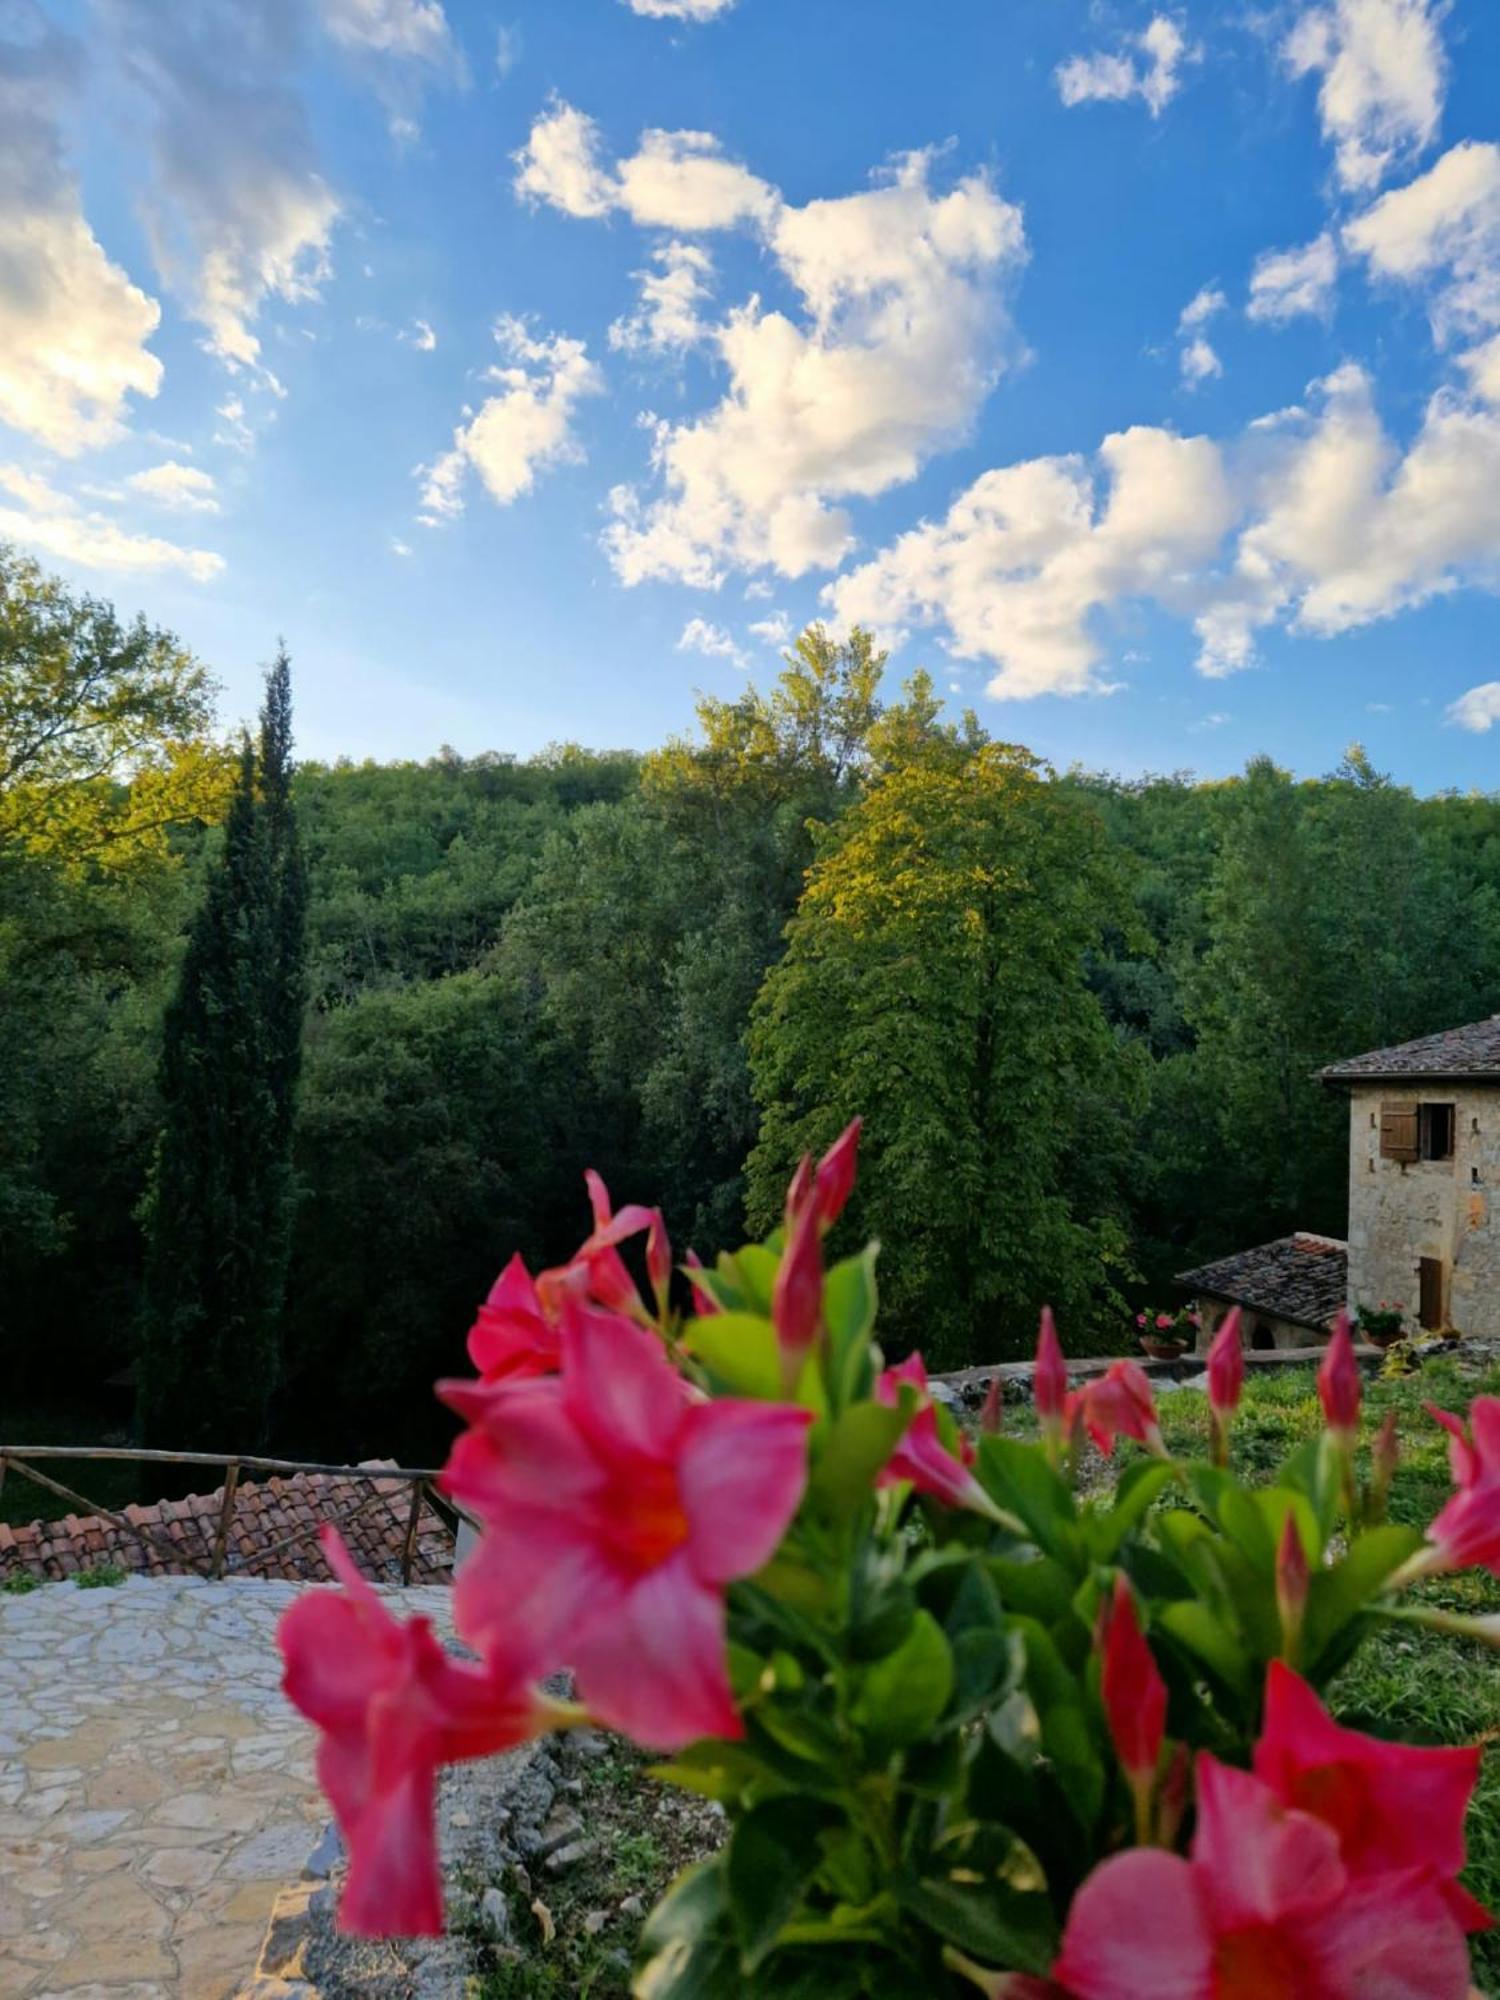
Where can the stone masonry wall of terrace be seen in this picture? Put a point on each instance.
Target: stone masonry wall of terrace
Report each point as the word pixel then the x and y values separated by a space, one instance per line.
pixel 1403 1210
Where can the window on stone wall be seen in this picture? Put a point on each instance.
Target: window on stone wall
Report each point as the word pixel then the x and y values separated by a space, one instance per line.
pixel 1435 1127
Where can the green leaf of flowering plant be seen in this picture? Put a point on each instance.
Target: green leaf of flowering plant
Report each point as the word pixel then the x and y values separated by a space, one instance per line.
pixel 900 1698
pixel 1019 1479
pixel 849 1303
pixel 773 1856
pixel 742 1356
pixel 987 1895
pixel 1068 1737
pixel 849 1449
pixel 1105 1528
pixel 688 1950
pixel 1336 1597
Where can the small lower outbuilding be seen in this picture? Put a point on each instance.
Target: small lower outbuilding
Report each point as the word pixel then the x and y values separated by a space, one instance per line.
pixel 1288 1292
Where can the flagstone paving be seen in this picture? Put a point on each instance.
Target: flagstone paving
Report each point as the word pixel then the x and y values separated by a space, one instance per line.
pixel 155 1789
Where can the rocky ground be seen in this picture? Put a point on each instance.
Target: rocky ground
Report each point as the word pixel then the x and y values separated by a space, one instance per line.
pixel 552 1857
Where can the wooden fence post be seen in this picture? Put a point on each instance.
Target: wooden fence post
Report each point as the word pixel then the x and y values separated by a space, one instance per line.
pixel 226 1508
pixel 409 1546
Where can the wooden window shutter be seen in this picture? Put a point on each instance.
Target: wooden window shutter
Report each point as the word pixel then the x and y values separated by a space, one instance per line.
pixel 1398 1132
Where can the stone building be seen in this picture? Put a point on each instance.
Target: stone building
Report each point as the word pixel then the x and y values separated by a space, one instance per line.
pixel 1424 1165
pixel 1424 1159
pixel 1287 1291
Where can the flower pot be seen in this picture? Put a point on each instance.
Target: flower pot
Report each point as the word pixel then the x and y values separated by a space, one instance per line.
pixel 1163 1346
pixel 1385 1336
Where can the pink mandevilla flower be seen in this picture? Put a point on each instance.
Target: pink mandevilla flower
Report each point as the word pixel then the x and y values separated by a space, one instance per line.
pixel 1132 1690
pixel 1339 1383
pixel 391 1706
pixel 1392 1805
pixel 1264 1906
pixel 609 1281
pixel 513 1334
pixel 1466 1534
pixel 617 1506
pixel 1119 1403
pixel 921 1456
pixel 516 1330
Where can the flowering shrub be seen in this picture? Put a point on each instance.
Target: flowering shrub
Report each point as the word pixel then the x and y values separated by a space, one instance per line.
pixel 971 1730
pixel 1380 1323
pixel 1180 1325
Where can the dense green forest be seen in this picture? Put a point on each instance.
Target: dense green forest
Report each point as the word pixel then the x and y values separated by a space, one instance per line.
pixel 1080 1014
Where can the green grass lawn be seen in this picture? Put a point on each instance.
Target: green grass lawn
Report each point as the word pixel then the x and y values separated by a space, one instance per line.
pixel 1404 1682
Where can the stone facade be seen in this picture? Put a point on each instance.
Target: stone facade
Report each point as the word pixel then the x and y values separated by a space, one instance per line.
pixel 1258 1328
pixel 1402 1211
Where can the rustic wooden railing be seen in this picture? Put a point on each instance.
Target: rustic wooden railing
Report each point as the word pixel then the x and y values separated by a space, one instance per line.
pixel 18 1457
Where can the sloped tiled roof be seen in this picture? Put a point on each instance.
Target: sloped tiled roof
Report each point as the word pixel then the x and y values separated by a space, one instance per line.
pixel 1457 1052
pixel 265 1514
pixel 1303 1278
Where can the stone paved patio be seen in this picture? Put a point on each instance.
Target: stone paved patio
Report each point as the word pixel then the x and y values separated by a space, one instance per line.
pixel 155 1790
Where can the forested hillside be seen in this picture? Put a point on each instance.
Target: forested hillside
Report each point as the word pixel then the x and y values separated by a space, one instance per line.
pixel 1079 1014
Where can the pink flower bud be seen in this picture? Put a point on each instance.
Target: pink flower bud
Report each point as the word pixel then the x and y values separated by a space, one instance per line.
pixel 1132 1689
pixel 1226 1366
pixel 1291 1586
pixel 1339 1383
pixel 797 1295
pixel 834 1179
pixel 1163 1322
pixel 798 1190
pixel 1049 1380
pixel 704 1302
pixel 991 1417
pixel 659 1260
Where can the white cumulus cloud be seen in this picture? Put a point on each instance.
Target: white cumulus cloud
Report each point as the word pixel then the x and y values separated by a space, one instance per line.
pixel 236 208
pixel 1381 75
pixel 1442 231
pixel 901 337
pixel 523 429
pixel 673 180
pixel 1315 519
pixel 699 636
pixel 680 10
pixel 1285 283
pixel 1199 362
pixel 668 319
pixel 73 327
pixel 1478 709
pixel 776 630
pixel 186 489
pixel 53 523
pixel 1025 558
pixel 1147 66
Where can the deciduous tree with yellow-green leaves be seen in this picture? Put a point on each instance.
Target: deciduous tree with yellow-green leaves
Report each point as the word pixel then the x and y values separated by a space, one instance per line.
pixel 934 980
pixel 105 727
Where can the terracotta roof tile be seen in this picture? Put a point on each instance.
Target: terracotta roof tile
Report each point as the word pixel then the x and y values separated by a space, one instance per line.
pixel 265 1513
pixel 1302 1278
pixel 1470 1051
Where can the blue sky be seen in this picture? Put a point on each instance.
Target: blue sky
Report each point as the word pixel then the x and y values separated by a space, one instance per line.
pixel 531 367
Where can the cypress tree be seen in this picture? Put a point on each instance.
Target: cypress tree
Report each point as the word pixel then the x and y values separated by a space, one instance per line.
pixel 218 1211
